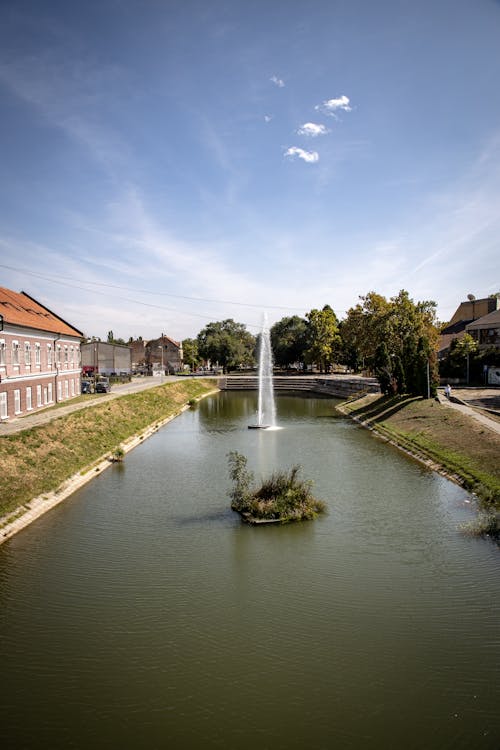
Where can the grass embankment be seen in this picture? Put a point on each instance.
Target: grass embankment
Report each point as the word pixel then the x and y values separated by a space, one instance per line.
pixel 462 446
pixel 37 461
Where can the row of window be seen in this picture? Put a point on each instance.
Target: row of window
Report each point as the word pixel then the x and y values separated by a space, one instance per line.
pixel 43 396
pixel 67 355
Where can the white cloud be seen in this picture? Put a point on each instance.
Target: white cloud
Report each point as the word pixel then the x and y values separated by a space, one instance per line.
pixel 268 118
pixel 308 156
pixel 330 106
pixel 312 129
pixel 277 82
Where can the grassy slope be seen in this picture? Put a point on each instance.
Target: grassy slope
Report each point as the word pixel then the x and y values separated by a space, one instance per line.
pixel 37 460
pixel 457 442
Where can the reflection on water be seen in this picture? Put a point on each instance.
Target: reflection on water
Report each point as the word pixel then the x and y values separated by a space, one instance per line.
pixel 143 613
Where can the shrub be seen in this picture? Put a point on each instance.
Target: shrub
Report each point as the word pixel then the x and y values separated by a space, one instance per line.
pixel 283 497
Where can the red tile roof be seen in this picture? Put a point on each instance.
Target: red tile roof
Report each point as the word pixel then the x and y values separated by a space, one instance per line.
pixel 18 308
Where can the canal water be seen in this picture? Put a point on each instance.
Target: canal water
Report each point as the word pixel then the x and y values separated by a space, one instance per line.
pixel 142 613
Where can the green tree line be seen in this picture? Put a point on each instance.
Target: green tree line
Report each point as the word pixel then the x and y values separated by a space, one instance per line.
pixel 394 339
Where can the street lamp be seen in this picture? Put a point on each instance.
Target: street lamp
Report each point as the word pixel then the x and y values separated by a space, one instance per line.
pixel 162 363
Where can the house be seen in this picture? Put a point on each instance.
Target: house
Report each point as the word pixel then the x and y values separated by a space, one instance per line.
pixel 466 313
pixel 39 356
pixel 163 355
pixel 486 330
pixel 103 358
pixel 138 348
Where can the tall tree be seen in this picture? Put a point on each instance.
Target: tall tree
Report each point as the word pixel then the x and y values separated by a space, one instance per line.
pixel 407 361
pixel 190 353
pixel 289 340
pixel 227 343
pixel 323 335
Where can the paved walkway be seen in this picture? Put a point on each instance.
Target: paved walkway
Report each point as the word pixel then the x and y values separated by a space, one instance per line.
pixel 462 394
pixel 51 413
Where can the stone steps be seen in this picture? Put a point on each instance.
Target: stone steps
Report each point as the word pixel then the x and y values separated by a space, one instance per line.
pixel 340 386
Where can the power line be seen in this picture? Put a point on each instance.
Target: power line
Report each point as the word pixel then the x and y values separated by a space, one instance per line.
pixel 147 291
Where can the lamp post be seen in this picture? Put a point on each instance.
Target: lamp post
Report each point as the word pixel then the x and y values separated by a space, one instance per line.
pixel 162 363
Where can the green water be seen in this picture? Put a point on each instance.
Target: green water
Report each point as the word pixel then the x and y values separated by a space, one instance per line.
pixel 143 614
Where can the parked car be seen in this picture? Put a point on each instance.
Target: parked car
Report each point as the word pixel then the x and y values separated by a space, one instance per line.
pixel 102 386
pixel 86 386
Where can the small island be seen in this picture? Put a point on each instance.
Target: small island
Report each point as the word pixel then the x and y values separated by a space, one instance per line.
pixel 282 498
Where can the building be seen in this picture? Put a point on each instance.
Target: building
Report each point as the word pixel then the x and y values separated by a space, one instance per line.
pixel 39 356
pixel 163 355
pixel 486 330
pixel 103 358
pixel 466 313
pixel 138 348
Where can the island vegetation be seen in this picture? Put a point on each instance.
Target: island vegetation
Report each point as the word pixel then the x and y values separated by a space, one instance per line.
pixel 281 498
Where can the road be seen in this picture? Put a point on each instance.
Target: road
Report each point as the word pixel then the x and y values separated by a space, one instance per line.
pixel 51 413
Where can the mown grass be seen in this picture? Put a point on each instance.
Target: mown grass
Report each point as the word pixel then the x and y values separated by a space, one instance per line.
pixel 37 460
pixel 460 444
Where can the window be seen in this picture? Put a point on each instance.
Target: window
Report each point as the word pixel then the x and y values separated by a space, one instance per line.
pixel 15 353
pixel 58 354
pixel 49 356
pixel 72 387
pixel 28 398
pixel 59 390
pixel 50 396
pixel 39 395
pixel 66 389
pixel 17 401
pixel 45 396
pixel 37 354
pixel 27 354
pixel 2 352
pixel 66 356
pixel 3 405
pixel 71 356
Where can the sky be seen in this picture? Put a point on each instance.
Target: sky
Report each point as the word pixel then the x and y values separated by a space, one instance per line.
pixel 168 163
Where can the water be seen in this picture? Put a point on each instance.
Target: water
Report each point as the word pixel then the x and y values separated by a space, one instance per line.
pixel 266 410
pixel 142 613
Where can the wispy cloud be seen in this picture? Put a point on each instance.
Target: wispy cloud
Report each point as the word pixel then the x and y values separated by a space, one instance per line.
pixel 268 118
pixel 312 129
pixel 330 106
pixel 279 82
pixel 308 156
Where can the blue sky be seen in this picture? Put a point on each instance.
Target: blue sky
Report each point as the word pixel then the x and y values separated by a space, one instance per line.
pixel 179 162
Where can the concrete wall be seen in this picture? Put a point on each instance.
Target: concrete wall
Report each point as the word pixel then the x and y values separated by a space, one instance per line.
pixel 340 386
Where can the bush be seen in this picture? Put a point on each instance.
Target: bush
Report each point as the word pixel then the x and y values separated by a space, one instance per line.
pixel 487 523
pixel 282 497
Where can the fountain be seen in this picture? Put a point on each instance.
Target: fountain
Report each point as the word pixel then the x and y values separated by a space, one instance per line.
pixel 266 413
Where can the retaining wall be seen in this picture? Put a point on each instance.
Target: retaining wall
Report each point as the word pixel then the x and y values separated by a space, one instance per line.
pixel 340 386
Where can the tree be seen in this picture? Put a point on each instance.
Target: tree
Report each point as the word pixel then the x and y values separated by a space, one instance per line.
pixel 323 336
pixel 407 362
pixel 289 340
pixel 190 353
pixel 363 330
pixel 111 339
pixel 227 343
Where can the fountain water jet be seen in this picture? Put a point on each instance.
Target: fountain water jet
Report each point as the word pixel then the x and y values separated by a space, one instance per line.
pixel 266 413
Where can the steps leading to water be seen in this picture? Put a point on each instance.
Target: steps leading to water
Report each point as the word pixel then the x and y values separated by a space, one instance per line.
pixel 340 386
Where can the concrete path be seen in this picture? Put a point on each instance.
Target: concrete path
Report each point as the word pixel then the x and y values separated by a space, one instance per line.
pixel 51 413
pixel 488 422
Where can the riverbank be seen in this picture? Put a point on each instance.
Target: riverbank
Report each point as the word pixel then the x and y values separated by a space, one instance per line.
pixel 43 465
pixel 449 442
